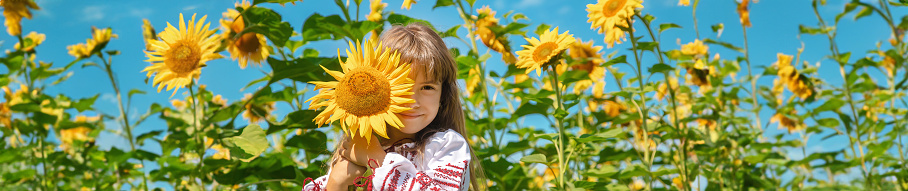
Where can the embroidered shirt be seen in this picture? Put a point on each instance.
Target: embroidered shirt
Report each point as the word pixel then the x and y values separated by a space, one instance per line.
pixel 445 166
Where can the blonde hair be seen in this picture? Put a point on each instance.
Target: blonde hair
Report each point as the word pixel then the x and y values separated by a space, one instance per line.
pixel 421 46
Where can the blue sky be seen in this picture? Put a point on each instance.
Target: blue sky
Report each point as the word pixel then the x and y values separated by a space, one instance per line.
pixel 775 29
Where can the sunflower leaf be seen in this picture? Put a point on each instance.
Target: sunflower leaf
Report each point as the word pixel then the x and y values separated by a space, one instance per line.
pixel 442 3
pixel 249 144
pixel 534 158
pixel 666 26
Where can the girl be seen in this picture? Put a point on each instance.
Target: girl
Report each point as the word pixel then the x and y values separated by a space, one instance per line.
pixel 430 152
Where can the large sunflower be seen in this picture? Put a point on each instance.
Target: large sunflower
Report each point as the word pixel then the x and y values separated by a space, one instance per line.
pixel 540 51
pixel 607 15
pixel 179 56
pixel 586 51
pixel 368 92
pixel 248 46
pixel 14 11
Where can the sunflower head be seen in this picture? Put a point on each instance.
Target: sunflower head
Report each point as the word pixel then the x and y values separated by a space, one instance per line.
pixel 376 10
pixel 608 15
pixel 371 87
pixel 744 12
pixel 407 4
pixel 787 122
pixel 484 21
pixel 181 53
pixel 257 112
pixel 148 33
pixel 14 11
pixel 32 40
pixel 543 51
pixel 696 48
pixel 249 46
pixel 100 38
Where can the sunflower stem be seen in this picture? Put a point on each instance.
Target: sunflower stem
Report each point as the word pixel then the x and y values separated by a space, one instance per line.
pixel 643 110
pixel 123 113
pixel 198 132
pixel 558 123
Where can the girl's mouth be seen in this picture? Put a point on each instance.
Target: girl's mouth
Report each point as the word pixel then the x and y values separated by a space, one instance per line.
pixel 409 115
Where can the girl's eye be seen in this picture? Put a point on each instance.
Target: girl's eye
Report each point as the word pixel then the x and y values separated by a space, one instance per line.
pixel 428 88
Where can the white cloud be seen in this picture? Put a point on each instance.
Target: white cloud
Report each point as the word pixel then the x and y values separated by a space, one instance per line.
pixel 93 13
pixel 528 3
pixel 141 13
pixel 564 10
pixel 191 7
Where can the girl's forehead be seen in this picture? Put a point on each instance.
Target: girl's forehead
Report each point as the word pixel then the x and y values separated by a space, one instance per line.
pixel 421 73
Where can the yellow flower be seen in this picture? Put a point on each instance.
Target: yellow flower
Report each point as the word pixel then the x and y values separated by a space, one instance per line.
pixel 777 89
pixel 257 112
pixel 473 80
pixel 218 99
pixel 80 133
pixel 5 115
pixel 790 76
pixel 178 104
pixel 248 46
pixel 678 183
pixel 612 108
pixel 14 11
pixel 407 4
pixel 608 15
pixel 541 51
pixel 636 185
pixel 684 2
pixel 744 13
pixel 100 38
pixel 375 14
pixel 494 42
pixel 179 56
pixel 32 40
pixel 699 74
pixel 79 50
pixel 663 90
pixel 148 33
pixel 220 151
pixel 370 89
pixel 792 124
pixel 695 48
pixel 586 51
pixel 889 64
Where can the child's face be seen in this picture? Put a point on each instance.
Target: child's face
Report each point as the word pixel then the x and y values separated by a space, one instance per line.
pixel 427 94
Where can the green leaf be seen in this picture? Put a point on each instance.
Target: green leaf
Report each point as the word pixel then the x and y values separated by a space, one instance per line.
pixel 530 108
pixel 661 68
pixel 866 11
pixel 398 19
pixel 606 171
pixel 267 22
pixel 442 3
pixel 666 26
pixel 813 31
pixel 534 158
pixel 256 2
pixel 830 105
pixel 310 141
pixel 574 76
pixel 85 103
pixel 610 133
pixel 141 138
pixel 249 144
pixel 724 44
pixel 828 122
pixel 302 69
pixel 301 119
pixel 542 28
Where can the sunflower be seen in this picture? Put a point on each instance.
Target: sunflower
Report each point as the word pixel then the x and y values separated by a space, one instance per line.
pixel 257 112
pixel 220 151
pixel 788 75
pixel 608 15
pixel 14 11
pixel 80 133
pixel 100 38
pixel 488 37
pixel 407 4
pixel 148 33
pixel 696 48
pixel 179 56
pixel 684 2
pixel 5 115
pixel 663 89
pixel 541 51
pixel 248 46
pixel 586 51
pixel 376 8
pixel 370 89
pixel 32 40
pixel 79 50
pixel 786 122
pixel 744 12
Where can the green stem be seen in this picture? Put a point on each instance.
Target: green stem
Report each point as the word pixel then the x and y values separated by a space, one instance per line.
pixel 558 123
pixel 123 113
pixel 643 110
pixel 198 132
pixel 753 83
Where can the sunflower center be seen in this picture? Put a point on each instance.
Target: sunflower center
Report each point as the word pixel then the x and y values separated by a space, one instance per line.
pixel 364 91
pixel 544 51
pixel 248 43
pixel 183 57
pixel 612 7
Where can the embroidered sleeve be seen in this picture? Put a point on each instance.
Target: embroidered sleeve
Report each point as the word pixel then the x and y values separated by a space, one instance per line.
pixel 447 156
pixel 316 185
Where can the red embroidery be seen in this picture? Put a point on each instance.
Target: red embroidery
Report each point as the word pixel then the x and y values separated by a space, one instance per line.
pixel 446 177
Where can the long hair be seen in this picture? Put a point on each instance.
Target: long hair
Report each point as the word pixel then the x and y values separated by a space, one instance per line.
pixel 425 51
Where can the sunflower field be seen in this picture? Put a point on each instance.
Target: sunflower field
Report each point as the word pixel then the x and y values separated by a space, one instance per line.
pixel 630 95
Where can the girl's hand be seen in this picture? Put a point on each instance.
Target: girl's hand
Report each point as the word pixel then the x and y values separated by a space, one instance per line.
pixel 358 151
pixel 343 174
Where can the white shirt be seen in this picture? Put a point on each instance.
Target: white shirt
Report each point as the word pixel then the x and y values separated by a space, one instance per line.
pixel 445 166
